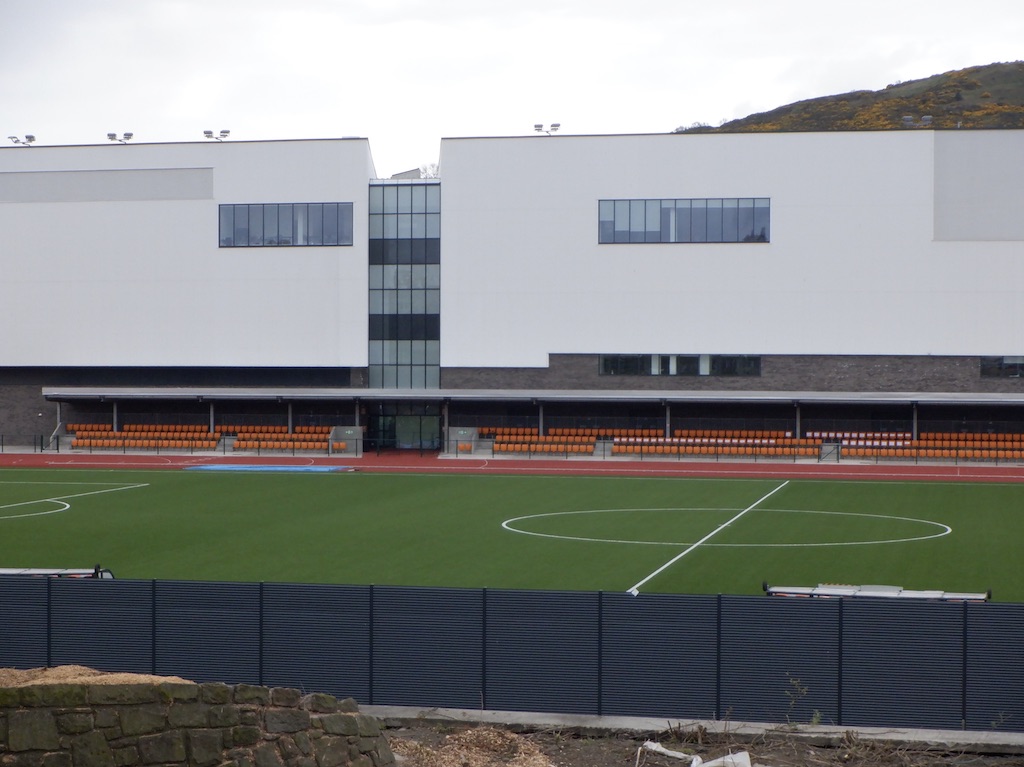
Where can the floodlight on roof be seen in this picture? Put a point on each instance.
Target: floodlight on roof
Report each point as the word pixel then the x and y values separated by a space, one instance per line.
pixel 910 121
pixel 223 134
pixel 539 127
pixel 123 140
pixel 27 141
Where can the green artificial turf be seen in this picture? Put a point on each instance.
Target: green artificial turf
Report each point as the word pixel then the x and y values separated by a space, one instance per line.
pixel 574 533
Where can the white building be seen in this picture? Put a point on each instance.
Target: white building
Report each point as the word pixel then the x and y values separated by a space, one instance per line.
pixel 870 278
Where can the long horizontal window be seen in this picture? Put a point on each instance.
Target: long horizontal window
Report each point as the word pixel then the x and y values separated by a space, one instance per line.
pixel 680 365
pixel 405 251
pixel 719 219
pixel 286 224
pixel 1002 367
pixel 405 327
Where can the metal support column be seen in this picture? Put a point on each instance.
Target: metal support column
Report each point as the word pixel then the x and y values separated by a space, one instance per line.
pixel 444 428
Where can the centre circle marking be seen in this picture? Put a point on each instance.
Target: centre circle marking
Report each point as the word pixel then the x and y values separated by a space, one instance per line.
pixel 942 529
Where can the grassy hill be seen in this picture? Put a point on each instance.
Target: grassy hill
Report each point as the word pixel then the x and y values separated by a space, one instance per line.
pixel 990 96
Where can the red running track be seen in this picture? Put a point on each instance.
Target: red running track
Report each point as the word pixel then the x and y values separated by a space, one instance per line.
pixel 432 463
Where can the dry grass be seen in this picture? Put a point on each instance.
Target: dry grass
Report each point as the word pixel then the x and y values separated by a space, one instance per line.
pixel 479 747
pixel 12 677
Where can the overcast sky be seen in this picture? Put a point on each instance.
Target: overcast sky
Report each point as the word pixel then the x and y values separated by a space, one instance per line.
pixel 404 73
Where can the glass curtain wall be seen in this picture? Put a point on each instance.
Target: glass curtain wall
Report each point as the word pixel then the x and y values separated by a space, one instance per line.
pixel 405 285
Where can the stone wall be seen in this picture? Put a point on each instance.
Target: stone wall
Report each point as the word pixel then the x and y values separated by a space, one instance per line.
pixel 191 725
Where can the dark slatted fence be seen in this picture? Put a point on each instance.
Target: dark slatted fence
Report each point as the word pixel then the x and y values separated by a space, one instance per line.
pixel 318 638
pixel 207 632
pixel 994 638
pixel 25 622
pixel 543 650
pixel 905 661
pixel 846 662
pixel 659 655
pixel 427 648
pixel 103 628
pixel 779 659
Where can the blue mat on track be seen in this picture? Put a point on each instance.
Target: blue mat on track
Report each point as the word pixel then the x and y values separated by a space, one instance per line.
pixel 264 467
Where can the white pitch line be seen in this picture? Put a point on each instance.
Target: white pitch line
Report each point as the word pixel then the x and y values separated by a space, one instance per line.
pixel 61 500
pixel 636 587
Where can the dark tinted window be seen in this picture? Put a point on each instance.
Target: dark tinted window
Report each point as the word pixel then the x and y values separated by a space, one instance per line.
pixel 730 219
pixel 285 224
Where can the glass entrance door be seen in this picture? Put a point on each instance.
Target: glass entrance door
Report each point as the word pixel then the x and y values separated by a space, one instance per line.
pixel 418 431
pixel 404 426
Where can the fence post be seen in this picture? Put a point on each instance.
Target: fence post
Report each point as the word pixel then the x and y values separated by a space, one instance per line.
pixel 483 649
pixel 373 597
pixel 600 653
pixel 49 622
pixel 153 623
pixel 839 665
pixel 963 673
pixel 718 657
pixel 259 667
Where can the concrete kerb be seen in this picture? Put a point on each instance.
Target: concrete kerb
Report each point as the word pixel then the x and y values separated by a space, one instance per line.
pixel 970 741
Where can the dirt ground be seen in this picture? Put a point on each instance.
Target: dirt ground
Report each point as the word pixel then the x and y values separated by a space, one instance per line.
pixel 440 745
pixel 423 743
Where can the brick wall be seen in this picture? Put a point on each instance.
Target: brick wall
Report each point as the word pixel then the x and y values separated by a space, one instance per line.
pixel 814 373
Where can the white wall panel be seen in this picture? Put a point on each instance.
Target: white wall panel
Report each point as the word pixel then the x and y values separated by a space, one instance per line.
pixel 851 269
pixel 978 194
pixel 107 185
pixel 144 283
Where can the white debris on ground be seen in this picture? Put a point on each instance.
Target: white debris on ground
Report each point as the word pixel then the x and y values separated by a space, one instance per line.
pixel 741 759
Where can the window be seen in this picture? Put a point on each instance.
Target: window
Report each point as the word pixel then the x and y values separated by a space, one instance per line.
pixel 625 364
pixel 286 224
pixel 1002 367
pixel 732 219
pixel 679 365
pixel 405 286
pixel 405 212
pixel 735 365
